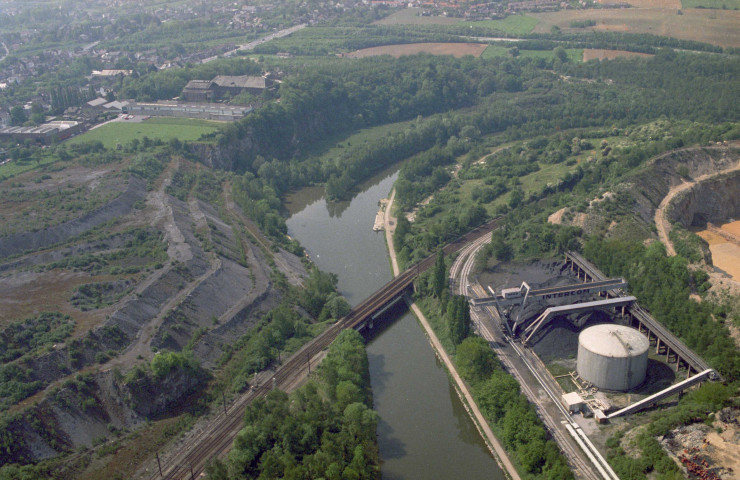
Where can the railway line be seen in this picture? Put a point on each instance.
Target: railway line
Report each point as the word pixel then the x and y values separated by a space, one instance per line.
pixel 520 363
pixel 216 439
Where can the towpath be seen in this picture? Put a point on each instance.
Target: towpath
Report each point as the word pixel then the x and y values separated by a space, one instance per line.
pixel 462 388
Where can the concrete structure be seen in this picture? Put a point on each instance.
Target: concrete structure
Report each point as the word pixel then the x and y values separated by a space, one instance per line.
pixel 612 357
pixel 207 111
pixel 573 402
pixel 664 341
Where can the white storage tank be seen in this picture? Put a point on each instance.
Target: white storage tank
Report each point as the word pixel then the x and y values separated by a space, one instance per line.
pixel 612 357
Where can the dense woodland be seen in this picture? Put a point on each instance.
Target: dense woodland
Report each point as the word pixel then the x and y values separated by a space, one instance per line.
pixel 326 429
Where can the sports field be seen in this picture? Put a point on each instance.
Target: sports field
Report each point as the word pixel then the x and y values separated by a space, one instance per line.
pixel 123 131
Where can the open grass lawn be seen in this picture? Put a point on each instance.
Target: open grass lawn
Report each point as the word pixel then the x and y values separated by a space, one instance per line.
pixel 719 4
pixel 122 132
pixel 702 25
pixel 574 54
pixel 513 24
pixel 12 168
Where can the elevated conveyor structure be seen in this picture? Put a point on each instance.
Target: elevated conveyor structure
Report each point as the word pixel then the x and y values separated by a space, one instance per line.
pixel 552 312
pixel 655 398
pixel 663 340
pixel 550 293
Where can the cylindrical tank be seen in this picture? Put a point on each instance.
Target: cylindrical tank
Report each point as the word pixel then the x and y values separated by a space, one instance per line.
pixel 612 357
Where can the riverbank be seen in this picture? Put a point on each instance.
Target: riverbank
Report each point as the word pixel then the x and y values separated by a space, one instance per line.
pixel 485 430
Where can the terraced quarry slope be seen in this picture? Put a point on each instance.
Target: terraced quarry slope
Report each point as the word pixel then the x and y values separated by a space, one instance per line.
pixel 103 264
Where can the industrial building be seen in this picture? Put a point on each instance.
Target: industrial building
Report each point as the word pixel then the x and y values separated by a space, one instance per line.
pixel 46 133
pixel 222 86
pixel 207 111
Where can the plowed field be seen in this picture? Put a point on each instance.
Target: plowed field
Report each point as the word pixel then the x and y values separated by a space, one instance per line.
pixel 455 49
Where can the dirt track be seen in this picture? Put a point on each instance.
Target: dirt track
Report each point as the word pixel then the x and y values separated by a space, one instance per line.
pixel 662 224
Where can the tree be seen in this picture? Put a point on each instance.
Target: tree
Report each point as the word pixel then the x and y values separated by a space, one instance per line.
pixel 439 277
pixel 18 115
pixel 561 54
pixel 458 319
pixel 475 359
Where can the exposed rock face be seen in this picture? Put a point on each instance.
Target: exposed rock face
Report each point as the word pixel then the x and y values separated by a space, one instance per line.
pixel 713 200
pixel 92 407
pixel 653 183
pixel 213 286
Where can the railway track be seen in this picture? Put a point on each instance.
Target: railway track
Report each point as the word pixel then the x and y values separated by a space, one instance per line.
pixel 462 267
pixel 216 439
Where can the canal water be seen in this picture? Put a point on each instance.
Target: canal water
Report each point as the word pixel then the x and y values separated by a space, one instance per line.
pixel 424 431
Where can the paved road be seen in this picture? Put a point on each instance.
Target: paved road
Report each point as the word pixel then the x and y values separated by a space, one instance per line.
pixel 250 46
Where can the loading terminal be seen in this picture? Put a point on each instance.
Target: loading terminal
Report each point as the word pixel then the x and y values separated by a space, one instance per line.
pixel 594 282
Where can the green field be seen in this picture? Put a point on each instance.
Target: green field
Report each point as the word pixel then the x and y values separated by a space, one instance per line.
pixel 574 54
pixel 122 132
pixel 718 4
pixel 513 24
pixel 12 169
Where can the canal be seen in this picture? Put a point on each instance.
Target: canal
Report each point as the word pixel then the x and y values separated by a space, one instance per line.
pixel 424 431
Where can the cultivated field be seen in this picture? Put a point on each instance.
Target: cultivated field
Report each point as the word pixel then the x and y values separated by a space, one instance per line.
pixel 411 16
pixel 513 24
pixel 574 54
pixel 455 49
pixel 665 4
pixel 122 132
pixel 599 54
pixel 710 26
pixel 720 4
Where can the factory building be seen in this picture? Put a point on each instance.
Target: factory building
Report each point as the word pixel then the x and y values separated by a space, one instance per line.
pixel 46 133
pixel 207 111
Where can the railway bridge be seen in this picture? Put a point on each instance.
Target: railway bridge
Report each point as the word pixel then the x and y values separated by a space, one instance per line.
pixel 219 435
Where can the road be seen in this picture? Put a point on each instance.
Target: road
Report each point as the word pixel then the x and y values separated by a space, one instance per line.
pixel 7 51
pixel 250 46
pixel 536 382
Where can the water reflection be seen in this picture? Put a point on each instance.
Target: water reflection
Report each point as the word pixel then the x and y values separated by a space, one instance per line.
pixel 424 431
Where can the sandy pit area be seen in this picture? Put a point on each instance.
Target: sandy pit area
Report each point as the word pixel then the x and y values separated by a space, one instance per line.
pixel 725 254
